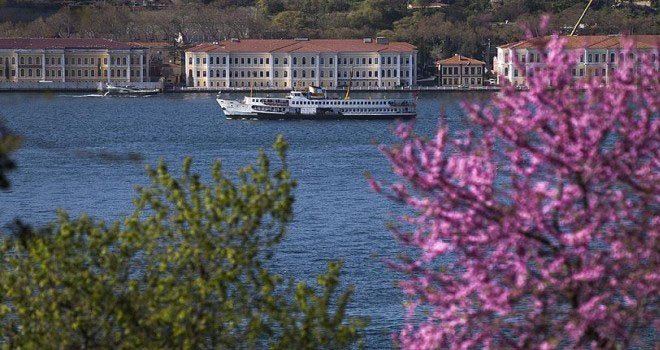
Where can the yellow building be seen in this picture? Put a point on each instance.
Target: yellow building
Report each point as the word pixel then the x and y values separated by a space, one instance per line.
pixel 284 64
pixel 460 71
pixel 72 60
pixel 599 55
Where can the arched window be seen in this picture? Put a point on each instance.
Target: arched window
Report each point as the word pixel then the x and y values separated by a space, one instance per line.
pixel 295 61
pixel 295 73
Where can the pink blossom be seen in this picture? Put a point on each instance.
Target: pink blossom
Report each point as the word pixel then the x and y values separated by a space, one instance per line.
pixel 561 250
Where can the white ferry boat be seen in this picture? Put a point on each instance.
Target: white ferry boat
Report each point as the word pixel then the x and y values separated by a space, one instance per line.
pixel 314 104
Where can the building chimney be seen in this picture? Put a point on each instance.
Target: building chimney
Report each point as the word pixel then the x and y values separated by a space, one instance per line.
pixel 382 40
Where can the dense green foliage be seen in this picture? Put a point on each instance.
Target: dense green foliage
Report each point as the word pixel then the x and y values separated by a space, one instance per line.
pixel 8 143
pixel 463 26
pixel 187 269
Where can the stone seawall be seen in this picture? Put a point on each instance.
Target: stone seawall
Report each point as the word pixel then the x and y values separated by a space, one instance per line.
pixel 70 86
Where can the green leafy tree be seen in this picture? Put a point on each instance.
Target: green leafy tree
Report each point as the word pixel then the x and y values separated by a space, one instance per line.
pixel 187 269
pixel 8 144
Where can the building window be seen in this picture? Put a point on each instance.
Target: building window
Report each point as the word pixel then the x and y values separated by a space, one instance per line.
pixel 285 60
pixel 286 74
pixel 224 73
pixel 295 73
pixel 612 56
pixel 277 74
pixel 276 60
pixel 330 60
pixel 589 58
pixel 295 61
pixel 313 74
pixel 321 60
pixel 22 60
pixel 29 70
pixel 313 60
pixel 261 74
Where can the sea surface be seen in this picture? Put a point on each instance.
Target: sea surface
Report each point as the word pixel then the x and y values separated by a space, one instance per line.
pixel 85 153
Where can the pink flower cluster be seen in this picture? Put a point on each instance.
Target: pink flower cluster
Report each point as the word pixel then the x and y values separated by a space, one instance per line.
pixel 540 228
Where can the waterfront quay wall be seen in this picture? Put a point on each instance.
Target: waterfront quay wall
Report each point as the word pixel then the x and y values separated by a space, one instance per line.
pixel 71 86
pixel 353 89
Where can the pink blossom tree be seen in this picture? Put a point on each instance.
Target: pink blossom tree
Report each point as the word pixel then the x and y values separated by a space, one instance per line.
pixel 540 228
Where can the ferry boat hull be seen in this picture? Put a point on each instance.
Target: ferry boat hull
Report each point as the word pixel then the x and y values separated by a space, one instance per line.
pixel 325 116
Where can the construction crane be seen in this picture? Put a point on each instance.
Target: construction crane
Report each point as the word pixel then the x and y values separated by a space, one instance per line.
pixel 580 19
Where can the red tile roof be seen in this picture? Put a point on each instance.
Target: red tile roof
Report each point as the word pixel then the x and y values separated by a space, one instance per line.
pixel 590 42
pixel 458 59
pixel 58 43
pixel 311 45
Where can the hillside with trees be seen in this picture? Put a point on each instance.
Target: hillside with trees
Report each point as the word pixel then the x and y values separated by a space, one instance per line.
pixel 470 27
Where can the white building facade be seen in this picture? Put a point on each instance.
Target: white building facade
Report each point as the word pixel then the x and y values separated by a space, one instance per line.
pixel 599 56
pixel 285 64
pixel 72 60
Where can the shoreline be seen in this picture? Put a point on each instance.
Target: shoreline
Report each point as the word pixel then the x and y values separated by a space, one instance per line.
pixel 5 89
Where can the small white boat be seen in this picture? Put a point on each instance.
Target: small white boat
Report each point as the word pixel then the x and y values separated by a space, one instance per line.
pixel 128 90
pixel 314 104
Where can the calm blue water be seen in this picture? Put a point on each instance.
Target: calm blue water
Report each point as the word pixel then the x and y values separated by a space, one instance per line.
pixel 337 215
